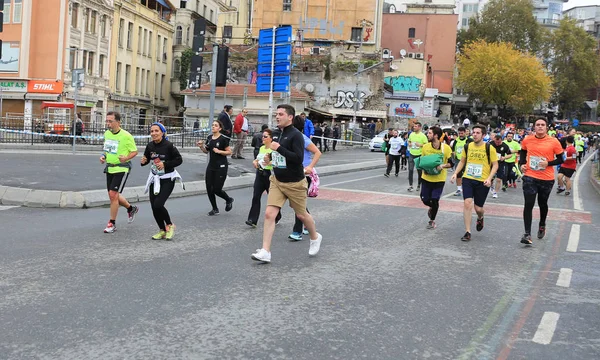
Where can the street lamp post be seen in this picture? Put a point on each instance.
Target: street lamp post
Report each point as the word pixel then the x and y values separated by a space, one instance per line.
pixel 75 82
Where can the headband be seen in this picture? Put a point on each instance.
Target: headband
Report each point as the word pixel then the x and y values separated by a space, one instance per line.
pixel 162 128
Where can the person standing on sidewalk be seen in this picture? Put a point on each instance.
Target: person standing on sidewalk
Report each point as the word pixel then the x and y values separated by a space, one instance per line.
pixel 480 162
pixel 257 139
pixel 288 182
pixel 317 135
pixel 225 119
pixel 309 128
pixel 119 149
pixel 336 135
pixel 538 175
pixel 416 140
pixel 240 129
pixel 217 146
pixel 163 158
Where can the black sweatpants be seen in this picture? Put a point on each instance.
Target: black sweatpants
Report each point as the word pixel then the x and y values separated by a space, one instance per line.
pixel 261 184
pixel 394 159
pixel 215 179
pixel 157 202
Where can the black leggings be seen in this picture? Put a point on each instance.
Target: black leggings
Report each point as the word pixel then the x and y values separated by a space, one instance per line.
pixel 531 188
pixel 157 202
pixel 215 179
pixel 579 156
pixel 261 184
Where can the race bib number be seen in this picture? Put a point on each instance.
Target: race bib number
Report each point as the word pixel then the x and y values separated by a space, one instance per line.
pixel 534 163
pixel 155 170
pixel 278 160
pixel 261 160
pixel 111 146
pixel 475 170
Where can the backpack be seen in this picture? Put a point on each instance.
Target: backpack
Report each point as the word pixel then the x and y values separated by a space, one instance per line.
pixel 487 151
pixel 313 188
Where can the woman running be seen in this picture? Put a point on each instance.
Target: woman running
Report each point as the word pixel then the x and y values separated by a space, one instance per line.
pixel 263 166
pixel 164 158
pixel 311 157
pixel 216 170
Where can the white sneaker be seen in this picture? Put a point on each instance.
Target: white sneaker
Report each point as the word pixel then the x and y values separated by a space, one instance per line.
pixel 315 245
pixel 495 195
pixel 110 228
pixel 262 255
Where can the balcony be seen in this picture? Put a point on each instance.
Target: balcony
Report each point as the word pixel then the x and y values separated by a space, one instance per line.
pixel 549 22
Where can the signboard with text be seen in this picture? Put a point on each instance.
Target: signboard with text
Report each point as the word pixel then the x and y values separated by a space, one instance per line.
pixel 13 85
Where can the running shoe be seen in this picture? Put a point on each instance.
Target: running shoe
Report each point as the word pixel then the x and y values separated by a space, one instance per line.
pixel 541 232
pixel 410 188
pixel 305 231
pixel 567 193
pixel 560 190
pixel 466 236
pixel 418 187
pixel 250 223
pixel 262 255
pixel 131 214
pixel 296 236
pixel 315 245
pixel 504 188
pixel 170 232
pixel 458 193
pixel 160 235
pixel 526 239
pixel 431 224
pixel 479 224
pixel 396 174
pixel 229 205
pixel 110 228
pixel 386 175
pixel 495 195
pixel 213 212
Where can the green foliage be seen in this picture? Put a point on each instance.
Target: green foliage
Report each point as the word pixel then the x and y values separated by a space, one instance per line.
pixel 186 60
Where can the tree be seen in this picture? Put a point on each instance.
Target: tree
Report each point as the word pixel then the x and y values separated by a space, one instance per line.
pixel 496 73
pixel 505 21
pixel 574 65
pixel 184 73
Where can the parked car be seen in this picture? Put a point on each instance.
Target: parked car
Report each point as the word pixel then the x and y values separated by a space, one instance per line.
pixel 375 143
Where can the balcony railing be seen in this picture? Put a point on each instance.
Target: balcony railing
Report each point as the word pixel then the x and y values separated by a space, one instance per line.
pixel 549 22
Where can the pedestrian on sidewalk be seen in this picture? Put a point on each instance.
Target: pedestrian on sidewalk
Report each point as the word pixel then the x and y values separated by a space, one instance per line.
pixel 287 183
pixel 240 129
pixel 257 139
pixel 262 164
pixel 163 158
pixel 318 134
pixel 119 149
pixel 336 136
pixel 217 146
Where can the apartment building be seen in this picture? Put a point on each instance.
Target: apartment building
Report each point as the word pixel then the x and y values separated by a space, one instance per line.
pixel 548 12
pixel 141 58
pixel 235 22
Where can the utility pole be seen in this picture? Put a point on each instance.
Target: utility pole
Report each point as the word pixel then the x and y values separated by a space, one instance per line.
pixel 213 83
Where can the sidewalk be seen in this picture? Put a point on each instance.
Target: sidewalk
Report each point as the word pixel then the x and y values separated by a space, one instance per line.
pixel 58 178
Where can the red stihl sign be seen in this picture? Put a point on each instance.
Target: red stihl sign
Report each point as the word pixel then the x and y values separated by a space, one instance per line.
pixel 45 87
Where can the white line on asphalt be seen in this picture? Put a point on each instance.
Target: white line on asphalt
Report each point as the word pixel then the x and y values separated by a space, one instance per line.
pixel 564 277
pixel 591 251
pixel 574 238
pixel 545 331
pixel 347 181
pixel 2 207
pixel 577 203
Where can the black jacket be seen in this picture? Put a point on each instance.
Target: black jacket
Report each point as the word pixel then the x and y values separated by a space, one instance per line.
pixel 291 148
pixel 166 152
pixel 225 119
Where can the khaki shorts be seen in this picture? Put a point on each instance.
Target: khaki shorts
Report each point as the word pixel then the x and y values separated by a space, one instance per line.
pixel 295 192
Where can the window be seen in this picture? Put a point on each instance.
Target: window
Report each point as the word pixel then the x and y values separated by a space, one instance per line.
pixel 475 7
pixel 411 32
pixel 150 44
pixel 356 34
pixel 121 29
pixel 85 58
pixel 129 35
pixel 118 77
pixel 228 31
pixel 145 44
pixel 466 8
pixel 72 59
pixel 465 22
pixel 187 36
pixel 93 22
pixel 176 68
pixel 148 83
pixel 103 26
pixel 90 64
pixel 178 35
pixel 156 85
pixel 139 46
pixel 164 54
pixel 74 14
pixel 203 11
pixel 198 6
pixel 211 15
pixel 101 66
pixel 162 85
pixel 127 75
pixel 86 13
pixel 158 55
pixel 17 11
pixel 287 5
pixel 182 4
pixel 137 81
pixel 6 12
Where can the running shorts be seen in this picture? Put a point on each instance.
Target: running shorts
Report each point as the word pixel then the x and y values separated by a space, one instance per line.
pixel 116 182
pixel 476 190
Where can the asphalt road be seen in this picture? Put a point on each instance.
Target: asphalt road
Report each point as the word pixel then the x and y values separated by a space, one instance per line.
pixel 61 170
pixel 382 287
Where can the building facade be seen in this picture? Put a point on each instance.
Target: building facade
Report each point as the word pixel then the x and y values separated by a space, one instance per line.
pixel 467 10
pixel 141 58
pixel 548 12
pixel 235 22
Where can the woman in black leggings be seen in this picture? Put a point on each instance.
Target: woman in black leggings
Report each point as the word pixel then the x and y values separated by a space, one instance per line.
pixel 164 158
pixel 217 146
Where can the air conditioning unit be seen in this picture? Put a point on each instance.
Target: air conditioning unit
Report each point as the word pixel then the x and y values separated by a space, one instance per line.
pixel 419 56
pixel 411 55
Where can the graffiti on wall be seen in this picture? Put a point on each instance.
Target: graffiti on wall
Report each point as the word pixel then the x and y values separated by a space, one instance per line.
pixel 323 26
pixel 404 109
pixel 345 99
pixel 368 31
pixel 404 83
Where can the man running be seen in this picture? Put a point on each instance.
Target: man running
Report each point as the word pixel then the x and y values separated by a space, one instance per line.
pixel 538 175
pixel 288 182
pixel 503 152
pixel 480 162
pixel 458 146
pixel 567 168
pixel 416 140
pixel 433 184
pixel 510 161
pixel 119 149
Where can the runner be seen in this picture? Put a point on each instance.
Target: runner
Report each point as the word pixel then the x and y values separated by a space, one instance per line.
pixel 503 151
pixel 119 149
pixel 433 184
pixel 416 140
pixel 538 175
pixel 263 167
pixel 287 183
pixel 395 144
pixel 511 175
pixel 458 146
pixel 216 169
pixel 567 168
pixel 481 163
pixel 164 158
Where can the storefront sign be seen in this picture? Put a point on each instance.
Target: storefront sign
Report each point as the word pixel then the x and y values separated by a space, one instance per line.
pixel 45 87
pixel 13 86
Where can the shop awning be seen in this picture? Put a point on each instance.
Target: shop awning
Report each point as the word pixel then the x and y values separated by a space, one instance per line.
pixel 37 96
pixel 12 96
pixel 359 114
pixel 318 111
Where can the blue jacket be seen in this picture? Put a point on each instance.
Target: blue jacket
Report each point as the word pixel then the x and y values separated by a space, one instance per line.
pixel 309 128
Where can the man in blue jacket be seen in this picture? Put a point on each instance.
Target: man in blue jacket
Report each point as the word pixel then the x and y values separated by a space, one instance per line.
pixel 309 128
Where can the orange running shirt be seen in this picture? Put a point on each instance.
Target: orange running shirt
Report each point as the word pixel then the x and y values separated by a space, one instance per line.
pixel 537 149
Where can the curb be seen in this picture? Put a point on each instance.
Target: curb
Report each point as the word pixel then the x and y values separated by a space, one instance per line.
pixel 595 183
pixel 95 198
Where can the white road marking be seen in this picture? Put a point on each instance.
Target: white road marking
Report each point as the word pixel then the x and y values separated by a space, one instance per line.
pixel 545 331
pixel 577 203
pixel 564 277
pixel 4 207
pixel 574 238
pixel 591 251
pixel 353 180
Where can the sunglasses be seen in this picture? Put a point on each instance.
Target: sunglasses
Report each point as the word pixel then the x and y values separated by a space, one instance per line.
pixel 265 136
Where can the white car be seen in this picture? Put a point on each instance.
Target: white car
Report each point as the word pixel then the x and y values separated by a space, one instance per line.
pixel 375 143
